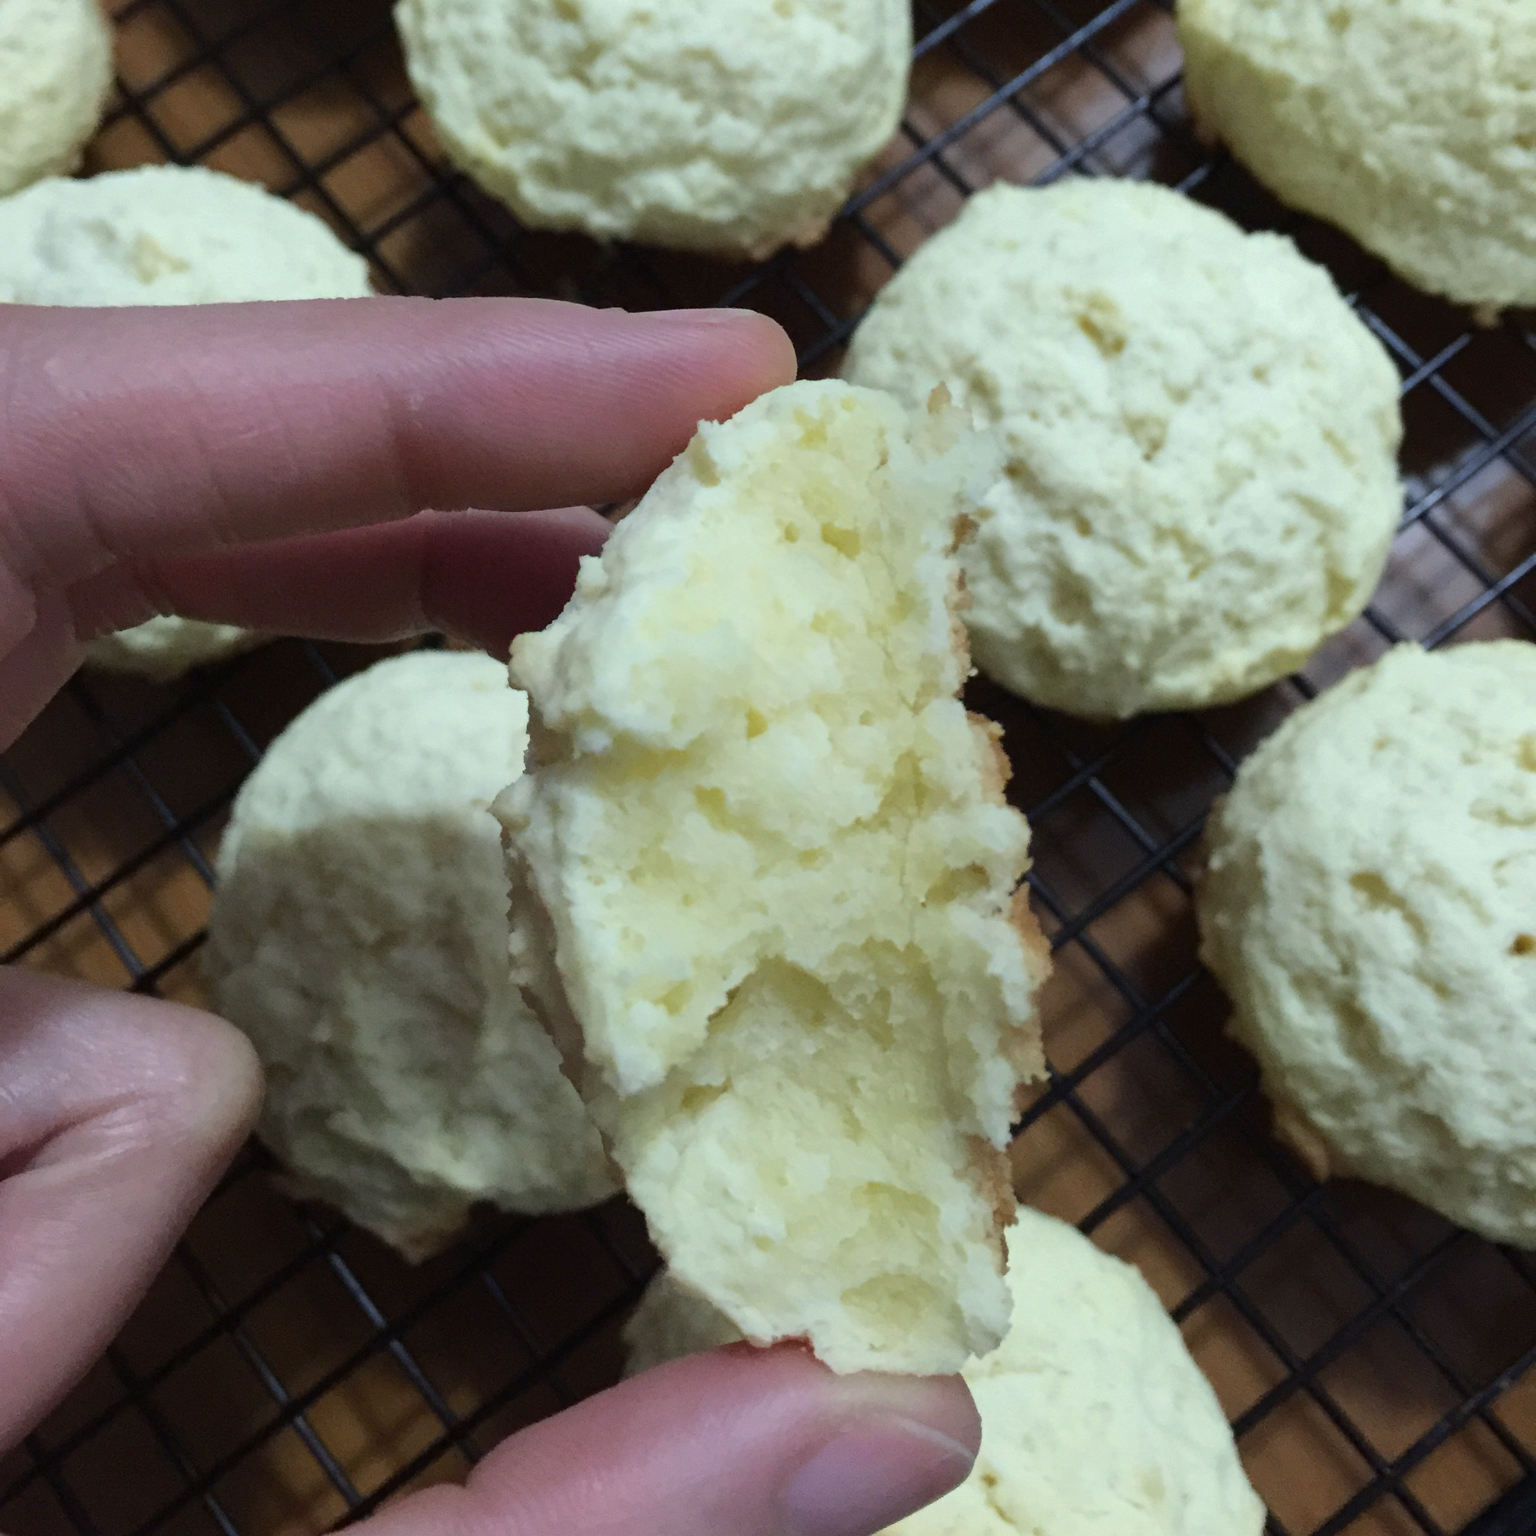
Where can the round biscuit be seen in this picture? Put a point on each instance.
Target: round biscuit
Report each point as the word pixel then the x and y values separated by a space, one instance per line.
pixel 359 937
pixel 730 126
pixel 167 234
pixel 1370 908
pixel 1198 436
pixel 1411 124
pixel 55 75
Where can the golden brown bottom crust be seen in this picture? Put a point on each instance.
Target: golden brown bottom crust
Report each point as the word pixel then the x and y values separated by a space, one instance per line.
pixel 994 1181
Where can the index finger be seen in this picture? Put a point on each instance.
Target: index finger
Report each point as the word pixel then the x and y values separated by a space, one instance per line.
pixel 138 432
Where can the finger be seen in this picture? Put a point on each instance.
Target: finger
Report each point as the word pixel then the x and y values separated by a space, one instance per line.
pixel 483 577
pixel 478 576
pixel 139 432
pixel 117 1114
pixel 735 1442
pixel 34 669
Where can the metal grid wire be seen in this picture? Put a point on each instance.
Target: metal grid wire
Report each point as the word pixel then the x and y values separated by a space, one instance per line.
pixel 287 1373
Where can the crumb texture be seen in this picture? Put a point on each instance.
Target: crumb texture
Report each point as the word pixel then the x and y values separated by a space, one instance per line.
pixel 1370 908
pixel 55 76
pixel 773 855
pixel 358 936
pixel 721 125
pixel 1411 124
pixel 1198 437
pixel 1095 1420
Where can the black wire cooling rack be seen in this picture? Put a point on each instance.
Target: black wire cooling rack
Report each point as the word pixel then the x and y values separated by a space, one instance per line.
pixel 286 1373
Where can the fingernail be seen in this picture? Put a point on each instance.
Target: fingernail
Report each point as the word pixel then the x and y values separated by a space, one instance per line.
pixel 878 1470
pixel 700 318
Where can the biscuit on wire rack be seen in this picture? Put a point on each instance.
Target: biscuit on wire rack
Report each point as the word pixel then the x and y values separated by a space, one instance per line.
pixel 358 936
pixel 1369 906
pixel 164 647
pixel 729 126
pixel 1199 441
pixel 1411 124
pixel 1095 1420
pixel 167 234
pixel 769 853
pixel 54 87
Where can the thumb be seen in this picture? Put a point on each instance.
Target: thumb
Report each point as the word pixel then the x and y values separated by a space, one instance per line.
pixel 735 1442
pixel 117 1113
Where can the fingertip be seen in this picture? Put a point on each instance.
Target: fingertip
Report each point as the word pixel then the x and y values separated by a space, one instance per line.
pixel 487 578
pixel 888 1444
pixel 747 353
pixel 122 1111
pixel 741 1439
pixel 586 529
pixel 766 343
pixel 231 1073
pixel 899 1443
pixel 943 1405
pixel 207 1078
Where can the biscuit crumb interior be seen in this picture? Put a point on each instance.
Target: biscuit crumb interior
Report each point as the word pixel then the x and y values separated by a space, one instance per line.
pixel 777 864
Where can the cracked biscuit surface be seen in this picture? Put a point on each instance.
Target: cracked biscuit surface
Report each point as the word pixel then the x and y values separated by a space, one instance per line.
pixel 1095 1420
pixel 732 126
pixel 1370 908
pixel 358 936
pixel 1411 124
pixel 1199 482
pixel 770 855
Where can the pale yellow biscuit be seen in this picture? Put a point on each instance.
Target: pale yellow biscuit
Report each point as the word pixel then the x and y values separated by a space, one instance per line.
pixel 164 647
pixel 358 936
pixel 1095 1421
pixel 773 855
pixel 167 234
pixel 1411 124
pixel 721 125
pixel 55 75
pixel 1199 440
pixel 1370 908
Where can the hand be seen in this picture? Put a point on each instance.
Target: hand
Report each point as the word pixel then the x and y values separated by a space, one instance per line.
pixel 270 466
